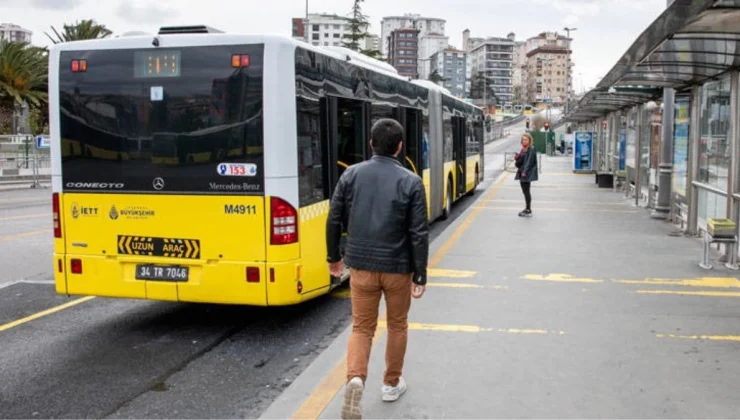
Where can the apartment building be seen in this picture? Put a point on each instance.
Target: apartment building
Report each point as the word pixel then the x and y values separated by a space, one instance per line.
pixel 451 64
pixel 494 58
pixel 425 25
pixel 403 53
pixel 321 29
pixel 548 75
pixel 15 33
pixel 429 45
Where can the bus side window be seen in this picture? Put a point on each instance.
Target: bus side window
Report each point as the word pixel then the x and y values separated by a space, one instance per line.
pixel 425 142
pixel 413 157
pixel 350 138
pixel 310 178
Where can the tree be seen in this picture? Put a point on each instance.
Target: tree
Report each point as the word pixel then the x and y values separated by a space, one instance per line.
pixel 437 78
pixel 23 79
pixel 85 29
pixel 358 27
pixel 479 86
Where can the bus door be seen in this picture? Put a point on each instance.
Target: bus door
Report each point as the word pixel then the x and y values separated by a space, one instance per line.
pixel 459 153
pixel 346 140
pixel 411 153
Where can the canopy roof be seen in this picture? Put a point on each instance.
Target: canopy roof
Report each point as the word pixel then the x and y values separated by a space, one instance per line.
pixel 690 43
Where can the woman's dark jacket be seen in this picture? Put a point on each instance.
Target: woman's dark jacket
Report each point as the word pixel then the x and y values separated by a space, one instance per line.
pixel 527 164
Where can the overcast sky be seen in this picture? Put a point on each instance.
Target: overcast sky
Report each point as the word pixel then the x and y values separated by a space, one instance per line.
pixel 606 28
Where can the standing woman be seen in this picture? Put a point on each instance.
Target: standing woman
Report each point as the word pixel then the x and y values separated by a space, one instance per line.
pixel 526 162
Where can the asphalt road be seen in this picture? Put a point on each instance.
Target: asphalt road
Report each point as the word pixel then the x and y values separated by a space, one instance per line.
pixel 114 358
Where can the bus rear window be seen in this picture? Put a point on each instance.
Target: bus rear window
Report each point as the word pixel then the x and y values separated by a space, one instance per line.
pixel 183 120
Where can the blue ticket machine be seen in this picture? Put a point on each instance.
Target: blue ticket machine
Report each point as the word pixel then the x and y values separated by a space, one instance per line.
pixel 584 150
pixel 622 149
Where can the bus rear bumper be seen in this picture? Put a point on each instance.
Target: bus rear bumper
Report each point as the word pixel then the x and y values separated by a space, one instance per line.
pixel 222 282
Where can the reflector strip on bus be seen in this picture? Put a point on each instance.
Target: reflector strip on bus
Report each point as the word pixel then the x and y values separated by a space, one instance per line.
pixel 158 247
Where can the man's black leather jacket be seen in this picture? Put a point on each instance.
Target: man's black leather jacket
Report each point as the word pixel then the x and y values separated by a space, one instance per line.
pixel 383 205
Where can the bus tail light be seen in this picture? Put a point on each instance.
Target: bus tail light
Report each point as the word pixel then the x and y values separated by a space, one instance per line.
pixel 253 275
pixel 76 265
pixel 283 222
pixel 57 219
pixel 79 66
pixel 239 60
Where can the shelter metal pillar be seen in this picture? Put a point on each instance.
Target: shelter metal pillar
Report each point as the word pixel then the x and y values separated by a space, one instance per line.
pixel 665 169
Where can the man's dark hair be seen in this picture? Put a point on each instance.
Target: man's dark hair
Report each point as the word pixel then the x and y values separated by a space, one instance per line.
pixel 386 135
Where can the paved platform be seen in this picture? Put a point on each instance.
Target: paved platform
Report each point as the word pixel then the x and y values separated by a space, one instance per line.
pixel 589 309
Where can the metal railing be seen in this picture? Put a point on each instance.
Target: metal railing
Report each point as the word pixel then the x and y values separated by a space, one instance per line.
pixel 20 170
pixel 499 128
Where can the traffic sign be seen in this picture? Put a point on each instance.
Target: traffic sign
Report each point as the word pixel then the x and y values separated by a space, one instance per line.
pixel 43 142
pixel 547 100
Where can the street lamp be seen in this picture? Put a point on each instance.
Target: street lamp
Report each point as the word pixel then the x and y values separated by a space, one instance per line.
pixel 305 24
pixel 570 79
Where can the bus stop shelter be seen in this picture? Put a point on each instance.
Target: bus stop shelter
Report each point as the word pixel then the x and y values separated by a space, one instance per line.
pixel 687 60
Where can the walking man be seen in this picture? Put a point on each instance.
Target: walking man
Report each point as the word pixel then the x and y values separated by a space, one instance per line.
pixel 383 207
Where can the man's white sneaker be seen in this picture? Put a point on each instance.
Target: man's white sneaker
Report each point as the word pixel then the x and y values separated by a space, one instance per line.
pixel 392 393
pixel 352 399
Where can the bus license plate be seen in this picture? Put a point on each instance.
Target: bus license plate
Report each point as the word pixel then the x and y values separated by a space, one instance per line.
pixel 163 273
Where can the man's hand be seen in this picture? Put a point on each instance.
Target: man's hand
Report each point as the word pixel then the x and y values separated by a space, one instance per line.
pixel 417 291
pixel 336 269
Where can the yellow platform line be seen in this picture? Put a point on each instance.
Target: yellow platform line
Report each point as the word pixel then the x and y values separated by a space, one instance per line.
pixel 701 337
pixel 464 286
pixel 41 314
pixel 418 326
pixel 24 235
pixel 346 293
pixel 552 209
pixel 589 203
pixel 717 282
pixel 555 186
pixel 27 216
pixel 562 278
pixel 689 293
pixel 320 398
pixel 456 274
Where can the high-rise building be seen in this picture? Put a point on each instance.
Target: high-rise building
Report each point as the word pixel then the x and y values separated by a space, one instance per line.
pixel 519 78
pixel 555 42
pixel 493 59
pixel 429 45
pixel 403 53
pixel 425 25
pixel 451 64
pixel 547 39
pixel 321 29
pixel 372 43
pixel 15 33
pixel 548 75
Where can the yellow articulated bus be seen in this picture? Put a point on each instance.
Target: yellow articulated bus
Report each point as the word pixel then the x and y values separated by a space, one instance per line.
pixel 231 146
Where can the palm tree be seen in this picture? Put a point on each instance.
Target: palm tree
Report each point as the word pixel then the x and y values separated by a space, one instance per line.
pixel 85 29
pixel 23 79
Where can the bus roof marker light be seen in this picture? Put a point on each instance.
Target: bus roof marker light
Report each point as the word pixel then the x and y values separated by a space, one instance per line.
pixel 79 66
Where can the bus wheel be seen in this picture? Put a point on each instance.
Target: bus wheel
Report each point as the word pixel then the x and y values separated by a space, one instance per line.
pixel 448 206
pixel 475 184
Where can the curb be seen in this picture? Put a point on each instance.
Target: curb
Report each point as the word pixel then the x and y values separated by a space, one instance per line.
pixel 24 186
